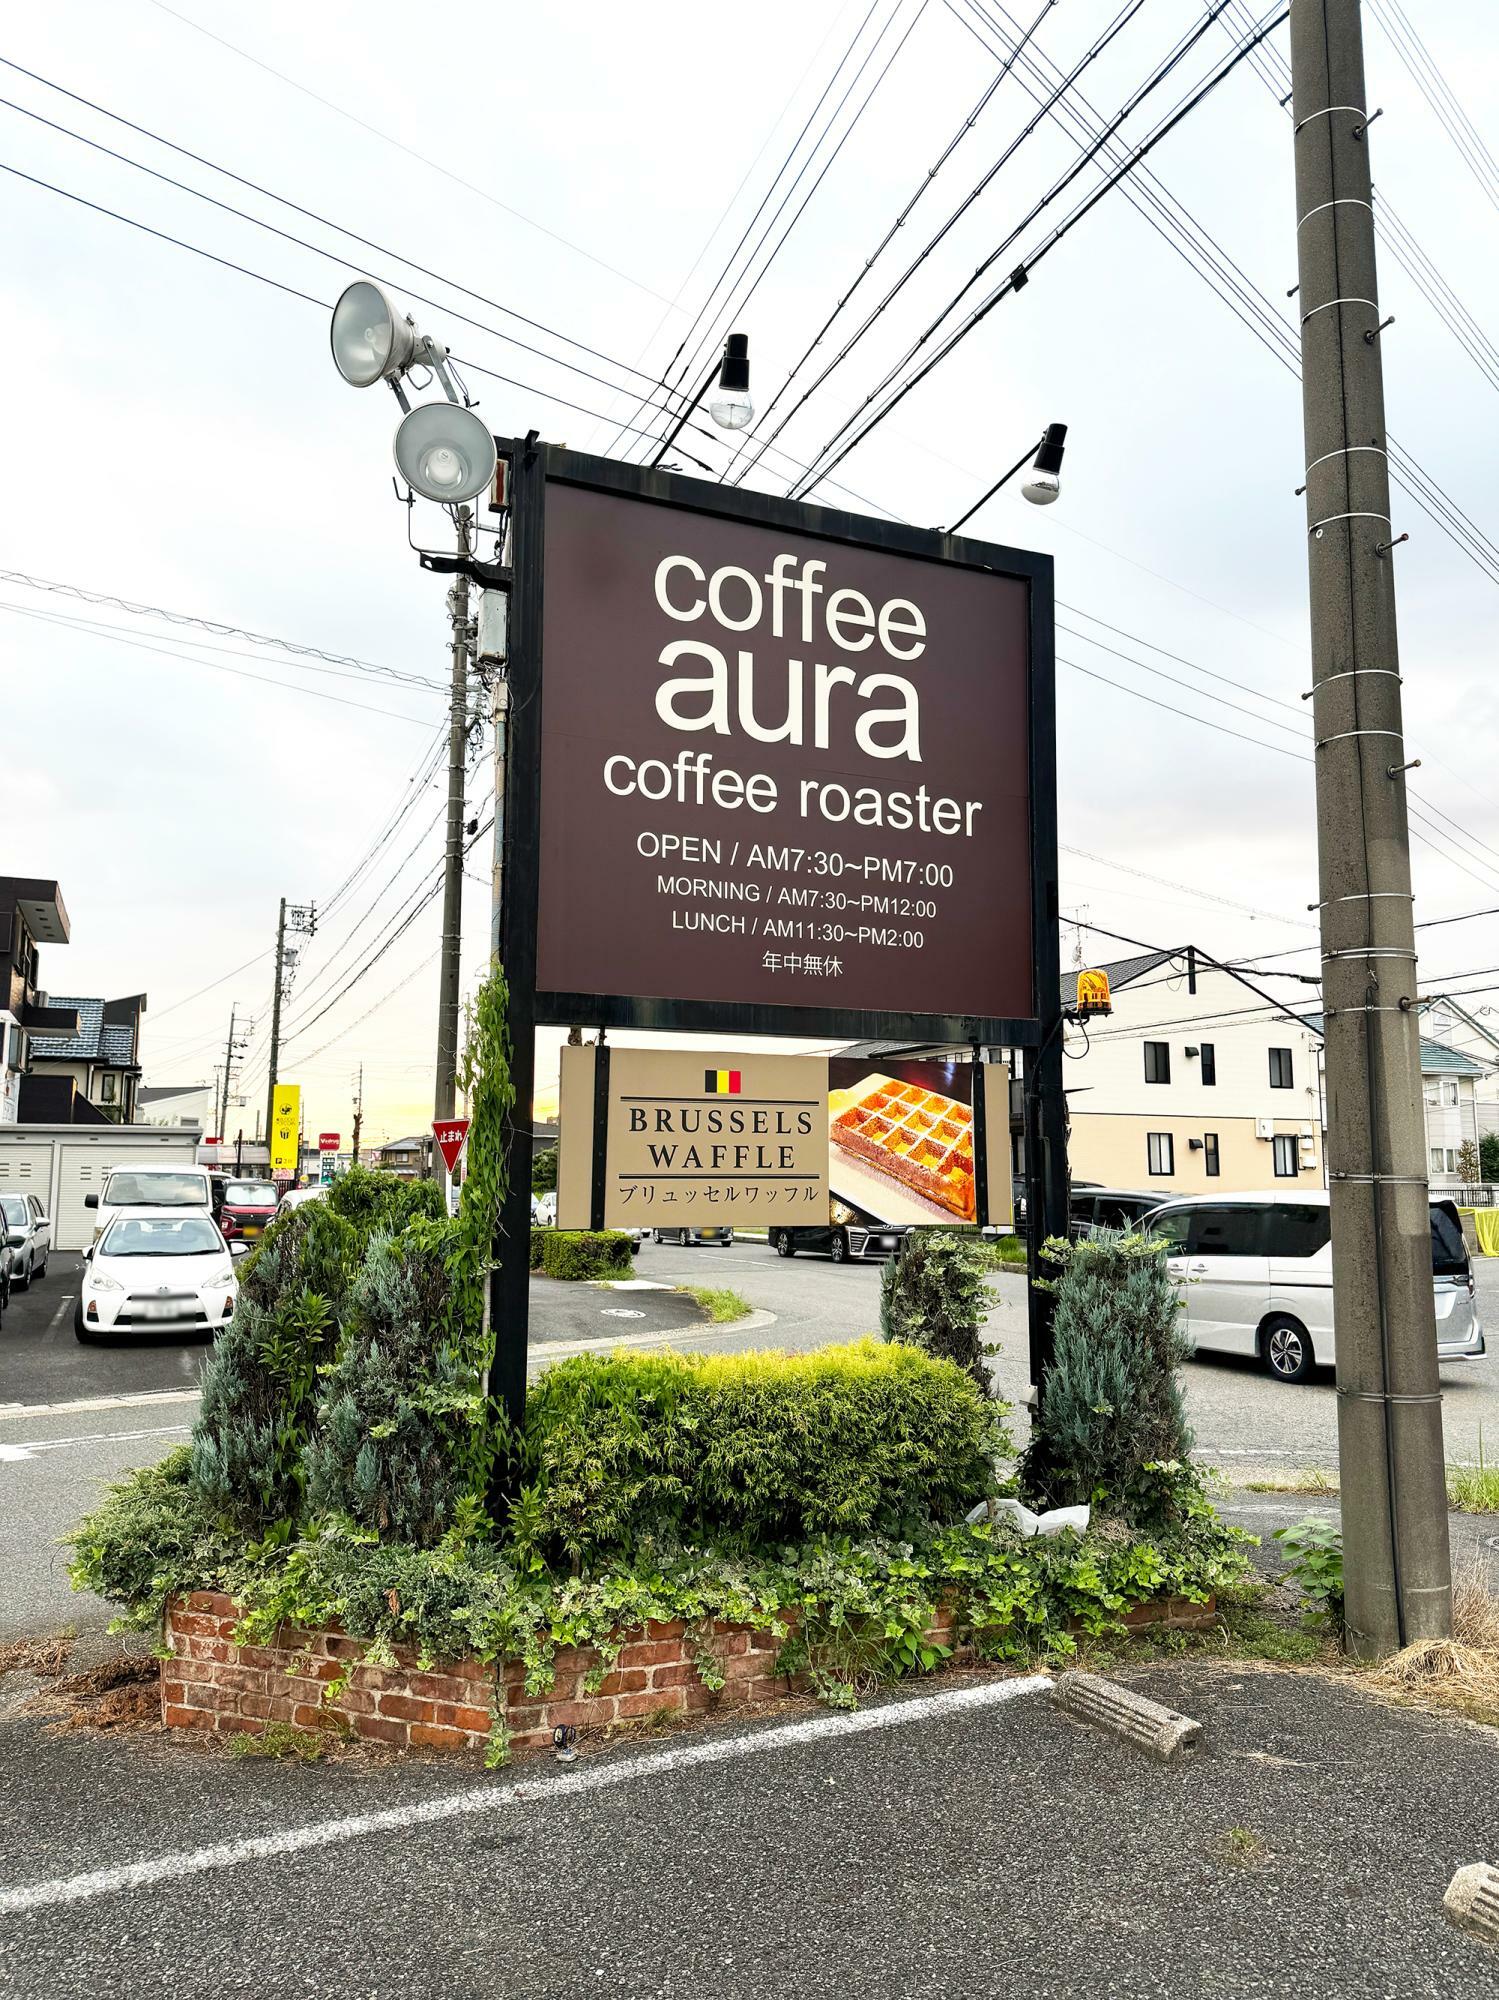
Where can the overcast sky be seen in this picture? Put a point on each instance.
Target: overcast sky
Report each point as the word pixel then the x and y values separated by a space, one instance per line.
pixel 177 436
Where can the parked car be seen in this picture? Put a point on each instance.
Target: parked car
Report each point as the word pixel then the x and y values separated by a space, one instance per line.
pixel 155 1272
pixel 839 1240
pixel 7 1259
pixel 294 1198
pixel 1092 1208
pixel 151 1184
pixel 248 1209
pixel 28 1237
pixel 704 1232
pixel 1255 1272
pixel 544 1208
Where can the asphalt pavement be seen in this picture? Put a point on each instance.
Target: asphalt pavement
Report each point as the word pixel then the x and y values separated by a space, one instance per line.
pixel 956 1849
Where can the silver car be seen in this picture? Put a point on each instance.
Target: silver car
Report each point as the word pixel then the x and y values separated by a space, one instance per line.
pixel 28 1231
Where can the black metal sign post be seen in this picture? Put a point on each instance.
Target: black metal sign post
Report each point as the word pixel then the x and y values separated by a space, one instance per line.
pixel 1034 1028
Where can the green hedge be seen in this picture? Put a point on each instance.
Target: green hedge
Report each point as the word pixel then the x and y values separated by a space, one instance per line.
pixel 754 1449
pixel 582 1253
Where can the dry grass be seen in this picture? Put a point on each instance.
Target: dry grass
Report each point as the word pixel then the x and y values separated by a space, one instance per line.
pixel 1460 1673
pixel 1311 1479
pixel 121 1693
pixel 45 1658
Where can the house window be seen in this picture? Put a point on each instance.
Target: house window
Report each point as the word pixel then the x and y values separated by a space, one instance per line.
pixel 1280 1069
pixel 1449 1090
pixel 1283 1145
pixel 1444 1159
pixel 108 1085
pixel 1158 1063
pixel 1209 1063
pixel 1159 1154
pixel 1210 1164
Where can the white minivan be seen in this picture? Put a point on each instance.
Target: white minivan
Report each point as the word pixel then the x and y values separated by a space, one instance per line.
pixel 137 1184
pixel 1256 1275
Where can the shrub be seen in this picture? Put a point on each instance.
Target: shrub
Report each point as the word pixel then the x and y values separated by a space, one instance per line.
pixel 544 1171
pixel 373 1200
pixel 259 1402
pixel 584 1253
pixel 1469 1163
pixel 756 1449
pixel 1488 1156
pixel 539 1236
pixel 394 1449
pixel 1113 1429
pixel 933 1295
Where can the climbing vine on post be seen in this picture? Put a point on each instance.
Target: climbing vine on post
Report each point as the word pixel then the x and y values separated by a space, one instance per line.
pixel 484 1077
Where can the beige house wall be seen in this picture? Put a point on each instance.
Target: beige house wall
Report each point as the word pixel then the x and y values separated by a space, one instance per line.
pixel 1110 1147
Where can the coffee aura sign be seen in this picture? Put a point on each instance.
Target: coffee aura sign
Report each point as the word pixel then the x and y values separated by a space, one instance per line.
pixel 782 769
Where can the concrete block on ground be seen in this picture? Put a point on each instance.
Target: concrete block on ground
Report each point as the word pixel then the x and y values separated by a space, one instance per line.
pixel 1472 1900
pixel 1160 1732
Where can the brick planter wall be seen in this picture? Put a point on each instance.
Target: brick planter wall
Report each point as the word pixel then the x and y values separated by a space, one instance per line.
pixel 209 1682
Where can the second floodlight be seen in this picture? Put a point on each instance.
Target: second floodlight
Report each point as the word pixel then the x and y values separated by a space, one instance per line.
pixel 372 339
pixel 1044 483
pixel 445 452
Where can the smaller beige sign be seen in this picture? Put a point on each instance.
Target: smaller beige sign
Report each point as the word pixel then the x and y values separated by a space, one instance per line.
pixel 695 1139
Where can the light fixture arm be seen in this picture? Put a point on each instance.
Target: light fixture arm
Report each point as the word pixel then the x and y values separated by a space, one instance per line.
pixel 399 393
pixel 1024 459
pixel 676 430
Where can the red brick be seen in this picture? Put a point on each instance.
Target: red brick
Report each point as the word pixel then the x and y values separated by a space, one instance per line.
pixel 267 1658
pixel 184 1669
pixel 339 1648
pixel 650 1652
pixel 426 1736
pixel 173 1694
pixel 454 1715
pixel 527 1715
pixel 354 1701
pixel 679 1673
pixel 187 1718
pixel 530 1739
pixel 629 1680
pixel 208 1600
pixel 439 1687
pixel 243 1725
pixel 307 1717
pixel 209 1649
pixel 592 1714
pixel 741 1667
pixel 664 1628
pixel 649 1703
pixel 255 1705
pixel 404 1709
pixel 281 1708
pixel 200 1695
pixel 381 1731
pixel 699 1697
pixel 197 1624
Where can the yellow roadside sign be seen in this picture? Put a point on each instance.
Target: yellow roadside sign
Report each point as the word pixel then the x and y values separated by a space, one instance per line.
pixel 286 1127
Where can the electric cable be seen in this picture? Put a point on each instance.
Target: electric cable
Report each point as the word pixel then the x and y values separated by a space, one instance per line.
pixel 1434 87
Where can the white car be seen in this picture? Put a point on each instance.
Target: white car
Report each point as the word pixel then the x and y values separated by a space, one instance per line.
pixel 155 1272
pixel 151 1184
pixel 294 1198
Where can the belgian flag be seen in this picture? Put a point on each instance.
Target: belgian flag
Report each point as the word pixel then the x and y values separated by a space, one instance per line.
pixel 721 1082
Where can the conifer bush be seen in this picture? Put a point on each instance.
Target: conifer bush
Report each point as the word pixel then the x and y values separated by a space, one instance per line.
pixel 259 1388
pixel 392 1449
pixel 374 1200
pixel 1114 1430
pixel 933 1296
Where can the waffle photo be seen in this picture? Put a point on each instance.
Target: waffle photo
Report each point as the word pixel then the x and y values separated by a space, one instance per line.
pixel 902 1139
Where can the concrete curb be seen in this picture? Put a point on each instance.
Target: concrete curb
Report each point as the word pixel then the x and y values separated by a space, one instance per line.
pixel 1472 1900
pixel 1160 1732
pixel 754 1322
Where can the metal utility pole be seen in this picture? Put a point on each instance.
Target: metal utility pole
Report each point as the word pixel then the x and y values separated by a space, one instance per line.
pixel 452 878
pixel 301 920
pixel 358 1114
pixel 1396 1564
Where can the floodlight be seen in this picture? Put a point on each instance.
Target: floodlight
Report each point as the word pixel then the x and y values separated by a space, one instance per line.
pixel 445 452
pixel 372 339
pixel 729 403
pixel 1044 485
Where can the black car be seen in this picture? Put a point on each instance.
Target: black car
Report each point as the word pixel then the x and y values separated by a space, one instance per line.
pixel 1095 1208
pixel 841 1241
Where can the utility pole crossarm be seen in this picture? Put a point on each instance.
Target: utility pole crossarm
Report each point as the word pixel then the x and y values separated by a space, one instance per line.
pixel 1397 1569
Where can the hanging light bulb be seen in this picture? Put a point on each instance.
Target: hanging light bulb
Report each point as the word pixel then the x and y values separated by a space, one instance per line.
pixel 1044 483
pixel 729 403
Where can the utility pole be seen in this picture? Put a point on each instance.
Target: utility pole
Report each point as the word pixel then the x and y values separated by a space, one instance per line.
pixel 452 878
pixel 232 1048
pixel 358 1114
pixel 301 920
pixel 1396 1563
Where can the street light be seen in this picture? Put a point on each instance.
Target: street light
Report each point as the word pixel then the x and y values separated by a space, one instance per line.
pixel 371 340
pixel 445 452
pixel 729 406
pixel 1044 484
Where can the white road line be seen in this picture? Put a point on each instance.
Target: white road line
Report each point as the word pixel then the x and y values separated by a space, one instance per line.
pixel 488 1798
pixel 147 1398
pixel 57 1317
pixel 694 1331
pixel 13 1453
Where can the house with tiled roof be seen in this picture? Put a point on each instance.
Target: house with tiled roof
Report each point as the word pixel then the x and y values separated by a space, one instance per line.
pixel 95 1071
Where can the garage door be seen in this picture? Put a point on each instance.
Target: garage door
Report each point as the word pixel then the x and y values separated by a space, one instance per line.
pixel 26 1169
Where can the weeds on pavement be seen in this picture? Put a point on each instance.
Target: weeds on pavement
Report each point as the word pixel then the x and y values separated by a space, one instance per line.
pixel 1241 1847
pixel 280 1740
pixel 720 1303
pixel 1309 1479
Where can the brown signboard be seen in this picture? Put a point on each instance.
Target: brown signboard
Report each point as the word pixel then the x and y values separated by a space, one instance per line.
pixel 778 769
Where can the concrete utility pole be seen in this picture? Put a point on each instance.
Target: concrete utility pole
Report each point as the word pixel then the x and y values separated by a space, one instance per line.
pixel 232 1048
pixel 452 879
pixel 358 1114
pixel 1396 1565
pixel 301 920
